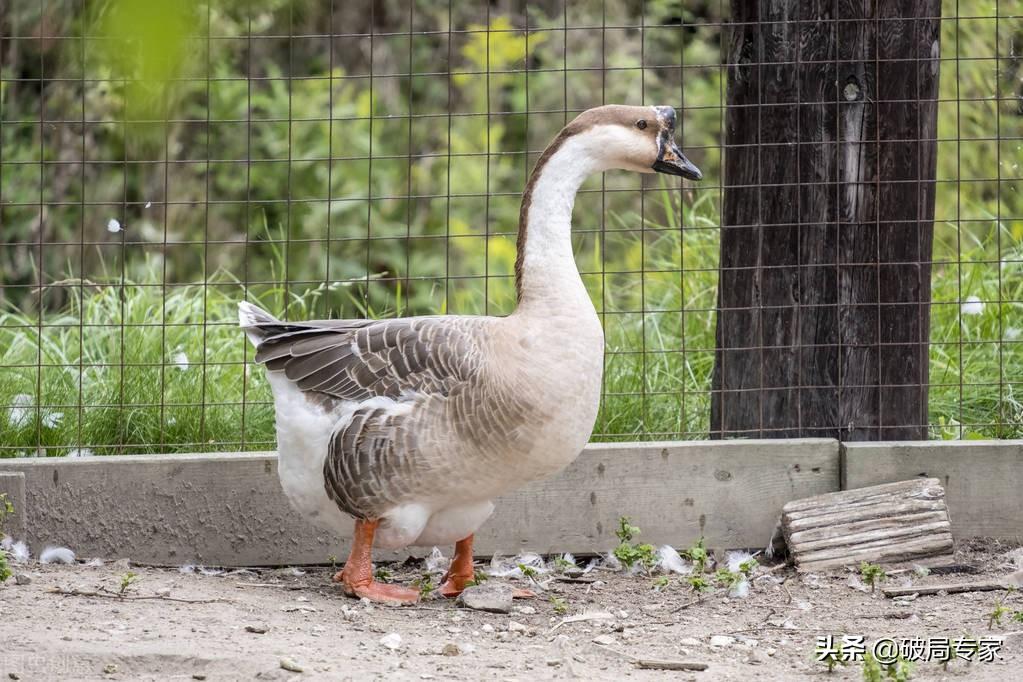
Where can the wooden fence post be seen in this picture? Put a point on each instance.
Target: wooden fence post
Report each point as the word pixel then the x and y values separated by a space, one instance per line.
pixel 824 293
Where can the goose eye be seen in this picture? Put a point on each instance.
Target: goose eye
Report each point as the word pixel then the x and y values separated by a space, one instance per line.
pixel 641 124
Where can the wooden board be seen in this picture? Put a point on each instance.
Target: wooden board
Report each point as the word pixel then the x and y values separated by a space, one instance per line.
pixel 983 480
pixel 888 523
pixel 228 509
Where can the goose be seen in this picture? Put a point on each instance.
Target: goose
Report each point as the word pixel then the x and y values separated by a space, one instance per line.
pixel 413 426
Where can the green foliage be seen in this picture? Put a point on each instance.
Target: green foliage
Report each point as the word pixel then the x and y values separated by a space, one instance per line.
pixel 382 574
pixel 660 582
pixel 127 580
pixel 630 554
pixel 424 584
pixel 559 604
pixel 698 582
pixel 5 567
pixel 529 572
pixel 874 671
pixel 832 656
pixel 872 574
pixel 6 509
pixel 697 553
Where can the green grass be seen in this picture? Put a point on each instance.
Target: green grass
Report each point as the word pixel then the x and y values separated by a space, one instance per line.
pixel 121 369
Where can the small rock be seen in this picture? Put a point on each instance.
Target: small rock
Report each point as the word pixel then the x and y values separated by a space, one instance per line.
pixel 450 650
pixel 525 610
pixel 491 598
pixel 198 676
pixel 14 676
pixel 623 615
pixel 258 629
pixel 771 652
pixel 755 658
pixel 22 579
pixel 487 627
pixel 605 640
pixel 553 662
pixel 722 640
pixel 689 641
pixel 290 665
pixel 109 669
pixel 163 592
pixel 391 641
pixel 515 626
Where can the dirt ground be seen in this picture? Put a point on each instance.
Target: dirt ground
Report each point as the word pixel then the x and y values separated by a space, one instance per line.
pixel 68 623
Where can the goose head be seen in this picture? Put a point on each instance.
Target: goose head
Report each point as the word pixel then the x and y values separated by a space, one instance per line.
pixel 639 139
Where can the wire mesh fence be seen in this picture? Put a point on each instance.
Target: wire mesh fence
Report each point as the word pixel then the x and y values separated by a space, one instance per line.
pixel 340 159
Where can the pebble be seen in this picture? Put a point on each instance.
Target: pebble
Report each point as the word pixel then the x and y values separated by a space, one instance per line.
pixel 23 579
pixel 487 627
pixel 722 640
pixel 515 626
pixel 525 610
pixel 490 598
pixel 450 650
pixel 391 641
pixel 291 666
pixel 258 629
pixel 605 640
pixel 198 676
pixel 689 641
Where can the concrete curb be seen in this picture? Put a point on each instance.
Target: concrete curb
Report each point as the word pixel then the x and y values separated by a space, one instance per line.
pixel 229 509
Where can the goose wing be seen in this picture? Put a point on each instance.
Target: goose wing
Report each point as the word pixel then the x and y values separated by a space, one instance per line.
pixel 362 359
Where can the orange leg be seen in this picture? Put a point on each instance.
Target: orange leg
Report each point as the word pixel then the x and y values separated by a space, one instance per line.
pixel 357 575
pixel 461 572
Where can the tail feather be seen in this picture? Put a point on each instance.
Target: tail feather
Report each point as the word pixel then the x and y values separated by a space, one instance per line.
pixel 257 323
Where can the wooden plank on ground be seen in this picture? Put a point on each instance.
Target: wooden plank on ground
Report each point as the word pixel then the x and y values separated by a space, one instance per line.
pixel 228 509
pixel 982 479
pixel 888 523
pixel 12 484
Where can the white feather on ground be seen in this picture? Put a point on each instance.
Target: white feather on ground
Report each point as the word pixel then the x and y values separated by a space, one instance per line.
pixel 17 551
pixel 57 555
pixel 736 559
pixel 510 568
pixel 669 561
pixel 437 562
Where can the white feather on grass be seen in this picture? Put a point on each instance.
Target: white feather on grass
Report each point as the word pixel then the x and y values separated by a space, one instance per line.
pixel 57 555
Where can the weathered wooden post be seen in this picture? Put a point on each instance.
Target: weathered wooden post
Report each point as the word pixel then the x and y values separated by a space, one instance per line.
pixel 823 303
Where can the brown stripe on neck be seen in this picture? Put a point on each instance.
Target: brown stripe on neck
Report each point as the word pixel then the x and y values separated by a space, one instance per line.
pixel 607 114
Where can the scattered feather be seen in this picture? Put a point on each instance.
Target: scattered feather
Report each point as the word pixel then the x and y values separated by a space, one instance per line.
pixel 210 571
pixel 180 360
pixel 148 204
pixel 511 568
pixel 739 589
pixel 736 559
pixel 186 568
pixel 436 562
pixel 1011 334
pixel 612 562
pixel 20 413
pixel 669 561
pixel 94 562
pixel 295 571
pixel 57 555
pixel 972 306
pixel 16 551
pixel 114 225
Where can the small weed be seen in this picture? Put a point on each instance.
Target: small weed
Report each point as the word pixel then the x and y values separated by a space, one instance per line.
pixel 5 568
pixel 872 575
pixel 127 580
pixel 831 656
pixel 1017 616
pixel 728 579
pixel 630 554
pixel 561 564
pixel 382 574
pixel 559 604
pixel 1001 610
pixel 875 671
pixel 529 572
pixel 660 583
pixel 424 584
pixel 6 509
pixel 698 583
pixel 698 555
pixel 333 562
pixel 747 567
pixel 479 576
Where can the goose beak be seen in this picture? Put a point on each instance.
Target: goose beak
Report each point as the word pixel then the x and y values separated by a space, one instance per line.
pixel 672 161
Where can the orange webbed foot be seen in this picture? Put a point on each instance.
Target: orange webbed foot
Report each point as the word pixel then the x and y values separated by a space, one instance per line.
pixel 383 593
